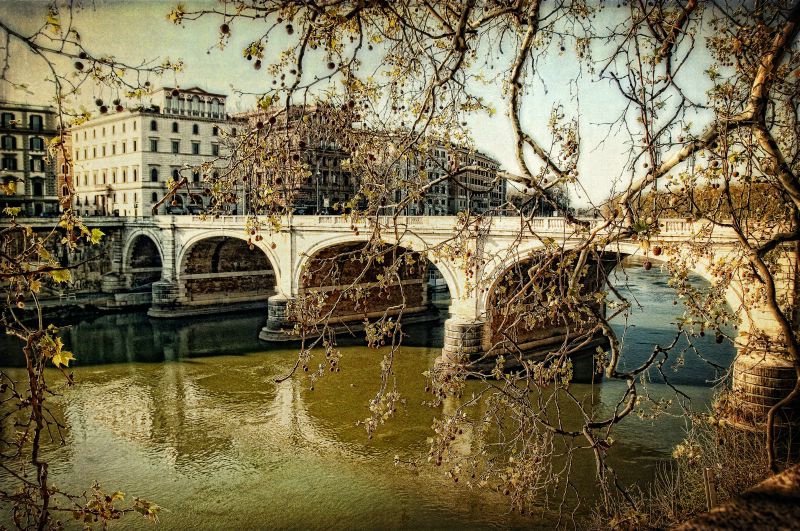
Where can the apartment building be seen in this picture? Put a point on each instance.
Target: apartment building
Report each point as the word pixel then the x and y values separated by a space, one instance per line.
pixel 466 191
pixel 26 169
pixel 121 161
pixel 301 138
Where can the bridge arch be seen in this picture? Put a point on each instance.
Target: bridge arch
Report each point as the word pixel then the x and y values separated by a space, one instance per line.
pixel 263 246
pixel 503 262
pixel 412 243
pixel 497 272
pixel 224 267
pixel 142 258
pixel 332 265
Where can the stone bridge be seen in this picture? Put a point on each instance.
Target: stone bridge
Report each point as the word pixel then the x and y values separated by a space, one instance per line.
pixel 196 265
pixel 188 265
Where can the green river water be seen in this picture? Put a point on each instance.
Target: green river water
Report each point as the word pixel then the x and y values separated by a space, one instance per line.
pixel 187 413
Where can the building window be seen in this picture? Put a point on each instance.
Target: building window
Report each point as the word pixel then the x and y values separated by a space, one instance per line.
pixel 35 122
pixel 176 146
pixel 134 125
pixel 135 175
pixel 196 177
pixel 154 145
pixel 9 142
pixel 195 129
pixel 37 164
pixel 8 117
pixel 94 152
pixel 215 149
pixel 104 150
pixel 37 143
pixel 37 188
pixel 104 132
pixel 233 131
pixel 134 144
pixel 195 148
pixel 215 131
pixel 154 197
pixel 124 146
pixel 153 125
pixel 174 127
pixel 113 149
pixel 9 162
pixel 176 174
pixel 153 174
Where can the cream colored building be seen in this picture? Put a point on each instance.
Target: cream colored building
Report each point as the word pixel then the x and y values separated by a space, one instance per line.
pixel 121 161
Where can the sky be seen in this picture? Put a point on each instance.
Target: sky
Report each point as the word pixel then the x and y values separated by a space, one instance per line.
pixel 138 30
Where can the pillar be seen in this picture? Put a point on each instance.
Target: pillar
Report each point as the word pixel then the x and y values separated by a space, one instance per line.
pixel 113 283
pixel 763 375
pixel 165 298
pixel 763 372
pixel 462 338
pixel 279 321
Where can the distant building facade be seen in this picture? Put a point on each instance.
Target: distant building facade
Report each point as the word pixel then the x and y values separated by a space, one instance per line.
pixel 301 139
pixel 121 161
pixel 26 169
pixel 465 191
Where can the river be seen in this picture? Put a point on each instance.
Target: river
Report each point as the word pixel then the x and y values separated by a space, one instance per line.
pixel 187 413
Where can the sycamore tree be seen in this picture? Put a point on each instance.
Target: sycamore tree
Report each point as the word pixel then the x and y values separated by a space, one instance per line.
pixel 32 265
pixel 705 95
pixel 388 84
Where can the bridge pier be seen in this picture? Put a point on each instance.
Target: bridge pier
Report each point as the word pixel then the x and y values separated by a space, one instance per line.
pixel 113 282
pixel 763 374
pixel 463 337
pixel 763 371
pixel 279 322
pixel 165 298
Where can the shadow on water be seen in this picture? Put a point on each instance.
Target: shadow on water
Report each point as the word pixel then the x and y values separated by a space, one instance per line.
pixel 135 337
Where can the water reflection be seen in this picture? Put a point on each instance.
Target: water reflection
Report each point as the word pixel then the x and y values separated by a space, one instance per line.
pixel 187 413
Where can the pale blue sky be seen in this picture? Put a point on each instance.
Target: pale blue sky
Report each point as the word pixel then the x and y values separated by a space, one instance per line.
pixel 135 30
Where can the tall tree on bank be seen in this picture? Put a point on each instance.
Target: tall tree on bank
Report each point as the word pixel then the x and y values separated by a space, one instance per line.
pixel 31 264
pixel 399 78
pixel 416 69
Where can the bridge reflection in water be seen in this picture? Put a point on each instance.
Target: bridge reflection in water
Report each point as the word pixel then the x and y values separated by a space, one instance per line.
pixel 186 412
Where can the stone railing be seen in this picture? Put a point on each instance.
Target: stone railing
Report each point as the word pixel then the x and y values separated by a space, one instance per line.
pixel 670 229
